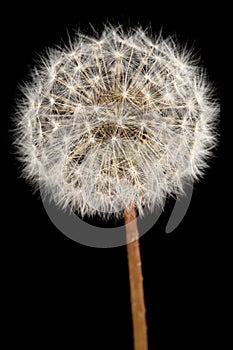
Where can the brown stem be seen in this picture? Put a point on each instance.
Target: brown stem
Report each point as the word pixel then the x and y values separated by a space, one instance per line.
pixel 136 281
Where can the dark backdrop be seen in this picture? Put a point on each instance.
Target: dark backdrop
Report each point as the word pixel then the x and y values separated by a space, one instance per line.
pixel 58 292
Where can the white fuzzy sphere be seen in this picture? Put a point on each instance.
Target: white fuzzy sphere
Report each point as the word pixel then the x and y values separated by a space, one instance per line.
pixel 119 120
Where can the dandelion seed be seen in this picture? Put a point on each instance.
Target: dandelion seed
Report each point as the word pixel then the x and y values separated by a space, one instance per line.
pixel 52 101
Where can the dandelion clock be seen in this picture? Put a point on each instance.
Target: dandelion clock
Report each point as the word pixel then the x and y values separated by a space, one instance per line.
pixel 112 125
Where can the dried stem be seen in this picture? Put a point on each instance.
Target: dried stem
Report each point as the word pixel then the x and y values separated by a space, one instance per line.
pixel 136 281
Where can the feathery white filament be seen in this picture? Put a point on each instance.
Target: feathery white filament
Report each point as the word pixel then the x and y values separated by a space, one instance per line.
pixel 116 120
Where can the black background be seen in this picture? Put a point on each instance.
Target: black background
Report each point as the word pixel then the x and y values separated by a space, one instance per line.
pixel 61 293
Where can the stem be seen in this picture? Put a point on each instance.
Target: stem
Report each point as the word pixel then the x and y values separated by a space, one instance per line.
pixel 136 281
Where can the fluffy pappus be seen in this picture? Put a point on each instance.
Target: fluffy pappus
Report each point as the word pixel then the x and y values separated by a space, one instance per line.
pixel 116 120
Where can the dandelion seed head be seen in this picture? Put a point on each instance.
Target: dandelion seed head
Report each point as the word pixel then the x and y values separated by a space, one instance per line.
pixel 117 120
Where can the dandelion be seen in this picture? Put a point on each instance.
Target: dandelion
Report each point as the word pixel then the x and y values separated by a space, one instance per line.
pixel 115 124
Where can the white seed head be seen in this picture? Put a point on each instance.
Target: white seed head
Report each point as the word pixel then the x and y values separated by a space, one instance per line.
pixel 119 120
